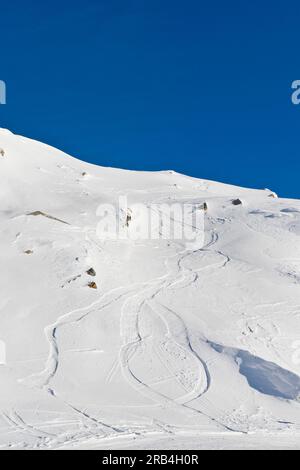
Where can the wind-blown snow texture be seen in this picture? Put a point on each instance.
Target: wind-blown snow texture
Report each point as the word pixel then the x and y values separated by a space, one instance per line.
pixel 175 348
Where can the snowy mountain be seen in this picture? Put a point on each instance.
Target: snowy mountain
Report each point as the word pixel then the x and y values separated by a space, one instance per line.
pixel 143 343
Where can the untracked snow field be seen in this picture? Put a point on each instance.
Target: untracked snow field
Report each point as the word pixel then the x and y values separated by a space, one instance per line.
pixel 143 344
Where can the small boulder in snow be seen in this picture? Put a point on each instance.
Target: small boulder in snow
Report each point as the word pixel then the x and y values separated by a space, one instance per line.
pixel 91 272
pixel 92 285
pixel 128 218
pixel 237 202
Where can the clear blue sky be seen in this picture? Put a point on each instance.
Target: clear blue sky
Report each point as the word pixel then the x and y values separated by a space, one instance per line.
pixel 201 87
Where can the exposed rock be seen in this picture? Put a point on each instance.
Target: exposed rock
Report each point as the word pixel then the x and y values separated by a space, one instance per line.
pixel 28 252
pixel 92 285
pixel 237 202
pixel 204 207
pixel 40 213
pixel 128 218
pixel 2 153
pixel 91 272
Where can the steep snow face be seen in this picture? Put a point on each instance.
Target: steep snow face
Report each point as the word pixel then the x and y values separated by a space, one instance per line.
pixel 106 341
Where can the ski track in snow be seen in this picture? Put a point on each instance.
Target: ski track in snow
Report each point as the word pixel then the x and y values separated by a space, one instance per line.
pixel 132 338
pixel 136 297
pixel 139 295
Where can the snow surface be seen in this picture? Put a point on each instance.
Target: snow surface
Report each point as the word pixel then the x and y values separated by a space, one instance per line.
pixel 176 348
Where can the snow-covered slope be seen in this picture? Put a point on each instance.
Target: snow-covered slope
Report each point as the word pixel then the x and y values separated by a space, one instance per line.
pixel 175 347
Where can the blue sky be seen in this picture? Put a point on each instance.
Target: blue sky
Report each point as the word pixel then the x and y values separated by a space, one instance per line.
pixel 200 87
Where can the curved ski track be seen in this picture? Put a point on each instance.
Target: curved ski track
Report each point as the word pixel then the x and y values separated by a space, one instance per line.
pixel 135 298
